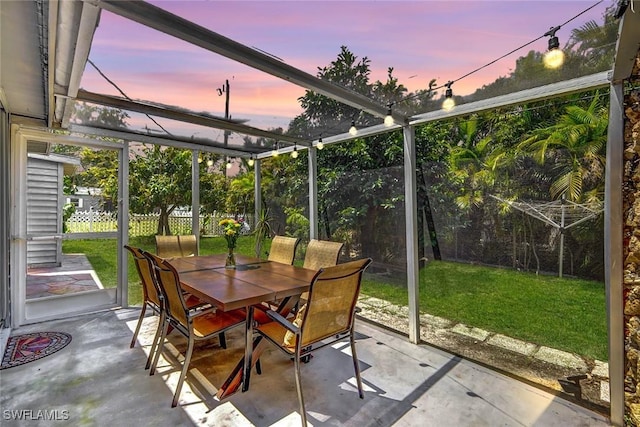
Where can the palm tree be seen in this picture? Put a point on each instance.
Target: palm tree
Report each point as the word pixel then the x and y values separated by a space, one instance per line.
pixel 594 45
pixel 575 144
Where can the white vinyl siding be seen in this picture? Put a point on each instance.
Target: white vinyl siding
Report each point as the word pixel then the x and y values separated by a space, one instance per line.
pixel 44 223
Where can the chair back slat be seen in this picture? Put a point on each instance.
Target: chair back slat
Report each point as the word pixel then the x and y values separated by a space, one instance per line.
pixel 332 299
pixel 176 246
pixel 169 284
pixel 146 273
pixel 283 249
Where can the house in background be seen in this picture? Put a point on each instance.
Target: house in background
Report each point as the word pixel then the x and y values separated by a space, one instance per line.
pixel 88 199
pixel 45 200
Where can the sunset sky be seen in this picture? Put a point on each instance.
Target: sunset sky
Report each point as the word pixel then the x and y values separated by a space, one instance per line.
pixel 420 39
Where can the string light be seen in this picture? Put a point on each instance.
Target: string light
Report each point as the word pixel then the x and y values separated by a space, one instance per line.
pixel 552 51
pixel 294 153
pixel 210 162
pixel 320 145
pixel 353 131
pixel 250 162
pixel 448 103
pixel 228 165
pixel 554 57
pixel 274 152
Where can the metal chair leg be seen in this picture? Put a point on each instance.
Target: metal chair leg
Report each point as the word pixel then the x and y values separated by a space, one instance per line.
pixel 303 413
pixel 183 373
pixel 356 364
pixel 158 350
pixel 156 340
pixel 135 333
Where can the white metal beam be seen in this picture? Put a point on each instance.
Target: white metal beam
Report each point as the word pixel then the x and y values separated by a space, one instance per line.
pixel 613 252
pixel 71 29
pixel 628 43
pixel 257 191
pixel 151 139
pixel 184 116
pixel 411 232
pixel 566 87
pixel 195 197
pixel 168 23
pixel 122 294
pixel 313 193
pixel 82 45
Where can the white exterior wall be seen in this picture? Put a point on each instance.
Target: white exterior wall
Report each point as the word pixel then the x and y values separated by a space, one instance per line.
pixel 44 212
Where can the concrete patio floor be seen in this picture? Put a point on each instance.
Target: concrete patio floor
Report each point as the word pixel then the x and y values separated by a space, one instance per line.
pixel 99 381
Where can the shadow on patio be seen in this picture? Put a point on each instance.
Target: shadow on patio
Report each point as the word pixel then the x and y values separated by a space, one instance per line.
pixel 99 381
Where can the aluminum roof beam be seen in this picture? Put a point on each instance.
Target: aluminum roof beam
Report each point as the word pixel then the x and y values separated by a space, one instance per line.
pixel 627 46
pixel 184 116
pixel 168 23
pixel 200 145
pixel 71 29
pixel 579 84
pixel 549 91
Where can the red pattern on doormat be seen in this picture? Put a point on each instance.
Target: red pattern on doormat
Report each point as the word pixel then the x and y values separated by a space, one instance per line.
pixel 26 348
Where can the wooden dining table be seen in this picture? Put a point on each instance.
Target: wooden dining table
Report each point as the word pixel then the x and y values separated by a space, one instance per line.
pixel 251 282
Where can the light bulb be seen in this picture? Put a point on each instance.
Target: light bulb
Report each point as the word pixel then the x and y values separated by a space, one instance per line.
pixel 209 162
pixel 294 153
pixel 274 153
pixel 388 121
pixel 448 104
pixel 229 164
pixel 553 58
pixel 320 144
pixel 353 130
pixel 250 162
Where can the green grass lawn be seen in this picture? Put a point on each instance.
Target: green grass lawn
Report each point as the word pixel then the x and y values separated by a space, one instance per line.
pixel 563 313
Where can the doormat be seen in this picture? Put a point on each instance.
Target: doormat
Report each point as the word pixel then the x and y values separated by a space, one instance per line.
pixel 26 348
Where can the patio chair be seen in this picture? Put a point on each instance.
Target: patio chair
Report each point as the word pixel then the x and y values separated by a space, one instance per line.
pixel 283 249
pixel 194 325
pixel 320 254
pixel 176 246
pixel 327 317
pixel 152 298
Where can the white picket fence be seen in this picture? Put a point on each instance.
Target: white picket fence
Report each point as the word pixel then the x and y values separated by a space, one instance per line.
pixel 146 225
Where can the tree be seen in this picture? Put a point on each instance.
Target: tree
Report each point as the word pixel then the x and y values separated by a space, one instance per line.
pixel 240 194
pixel 160 180
pixel 575 146
pixel 592 46
pixel 213 190
pixel 360 186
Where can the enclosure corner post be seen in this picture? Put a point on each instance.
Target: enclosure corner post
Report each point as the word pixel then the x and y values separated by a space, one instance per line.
pixel 411 215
